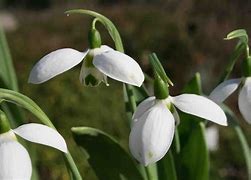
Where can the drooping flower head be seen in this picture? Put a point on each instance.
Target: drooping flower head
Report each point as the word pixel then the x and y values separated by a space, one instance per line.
pixel 15 162
pixel 99 61
pixel 226 88
pixel 153 123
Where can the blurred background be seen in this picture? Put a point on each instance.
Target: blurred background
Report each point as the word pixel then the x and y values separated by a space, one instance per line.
pixel 187 36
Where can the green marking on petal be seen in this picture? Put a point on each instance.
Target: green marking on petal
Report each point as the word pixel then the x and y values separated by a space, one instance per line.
pixel 150 155
pixel 90 80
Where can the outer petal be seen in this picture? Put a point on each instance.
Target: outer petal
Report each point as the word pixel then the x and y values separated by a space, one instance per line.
pixel 212 138
pixel 201 107
pixel 143 107
pixel 15 163
pixel 55 63
pixel 120 67
pixel 225 89
pixel 42 134
pixel 244 100
pixel 151 136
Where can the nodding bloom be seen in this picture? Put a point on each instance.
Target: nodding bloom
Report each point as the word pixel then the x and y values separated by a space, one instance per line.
pixel 153 123
pixel 15 162
pixel 99 62
pixel 226 88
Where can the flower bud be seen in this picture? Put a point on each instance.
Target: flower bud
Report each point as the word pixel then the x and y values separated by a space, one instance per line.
pixel 94 39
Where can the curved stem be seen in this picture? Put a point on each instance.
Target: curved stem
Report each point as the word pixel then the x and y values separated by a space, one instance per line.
pixel 234 56
pixel 72 166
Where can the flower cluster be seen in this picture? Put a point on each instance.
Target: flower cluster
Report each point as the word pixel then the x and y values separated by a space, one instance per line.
pixel 98 62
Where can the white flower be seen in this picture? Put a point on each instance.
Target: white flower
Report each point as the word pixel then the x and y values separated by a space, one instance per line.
pixel 212 138
pixel 97 64
pixel 15 162
pixel 226 88
pixel 153 123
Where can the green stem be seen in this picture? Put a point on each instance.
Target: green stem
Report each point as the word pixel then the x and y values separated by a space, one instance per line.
pixel 74 169
pixel 245 149
pixel 149 173
pixel 177 140
pixel 131 98
pixel 233 58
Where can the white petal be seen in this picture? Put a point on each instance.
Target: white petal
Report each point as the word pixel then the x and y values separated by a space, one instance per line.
pixel 120 67
pixel 223 90
pixel 244 100
pixel 100 50
pixel 201 107
pixel 42 134
pixel 15 163
pixel 212 138
pixel 143 107
pixel 151 136
pixel 55 63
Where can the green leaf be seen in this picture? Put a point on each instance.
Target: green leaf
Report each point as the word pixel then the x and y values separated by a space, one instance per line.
pixel 106 22
pixel 239 33
pixel 192 163
pixel 108 159
pixel 233 122
pixel 166 167
pixel 7 72
pixel 194 85
pixel 8 80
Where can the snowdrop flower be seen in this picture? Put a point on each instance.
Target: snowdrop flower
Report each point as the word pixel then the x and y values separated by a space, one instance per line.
pixel 212 138
pixel 15 162
pixel 153 123
pixel 226 88
pixel 99 62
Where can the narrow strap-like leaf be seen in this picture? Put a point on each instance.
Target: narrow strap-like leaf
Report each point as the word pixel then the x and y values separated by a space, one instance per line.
pixel 166 167
pixel 233 121
pixel 108 159
pixel 6 66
